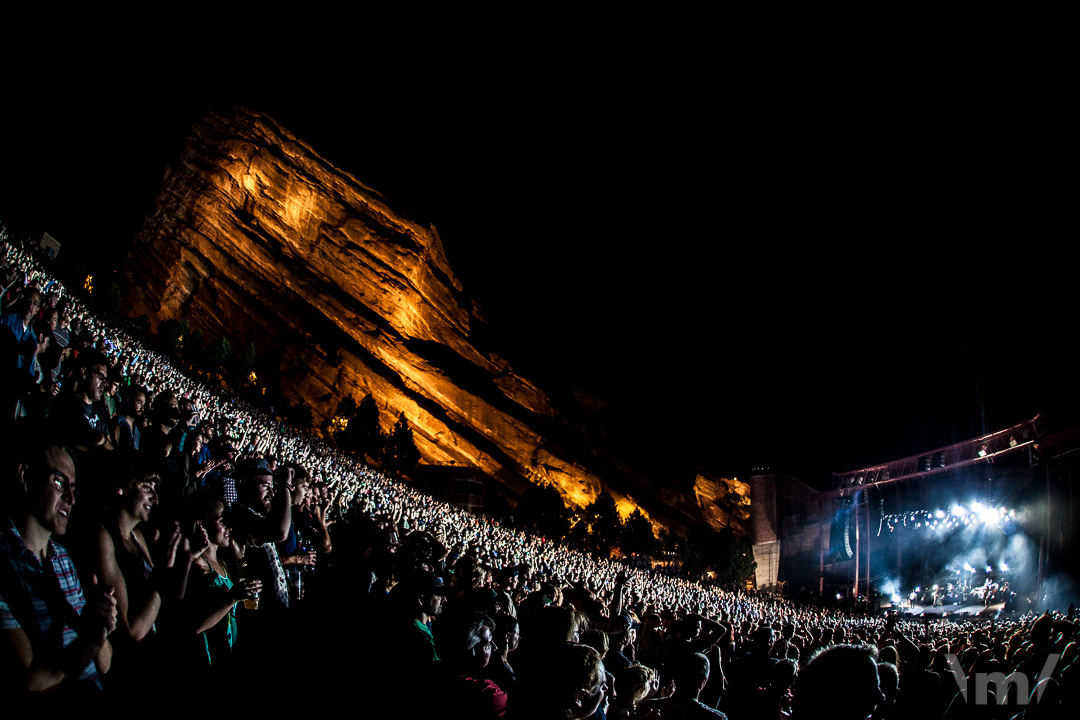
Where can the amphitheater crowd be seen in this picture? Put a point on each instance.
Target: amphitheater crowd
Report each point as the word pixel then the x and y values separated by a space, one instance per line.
pixel 168 545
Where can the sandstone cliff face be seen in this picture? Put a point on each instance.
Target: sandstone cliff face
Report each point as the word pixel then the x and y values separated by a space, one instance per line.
pixel 256 237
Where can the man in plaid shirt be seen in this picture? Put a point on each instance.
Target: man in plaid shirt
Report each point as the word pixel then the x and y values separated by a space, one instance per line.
pixel 51 637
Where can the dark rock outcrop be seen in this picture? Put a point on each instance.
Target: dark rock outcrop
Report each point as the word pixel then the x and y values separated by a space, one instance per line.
pixel 257 238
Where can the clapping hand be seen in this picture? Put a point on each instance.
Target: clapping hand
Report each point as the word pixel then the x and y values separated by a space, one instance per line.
pixel 100 614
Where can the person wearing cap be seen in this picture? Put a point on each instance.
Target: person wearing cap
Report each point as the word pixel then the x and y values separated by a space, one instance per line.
pixel 261 518
pixel 414 603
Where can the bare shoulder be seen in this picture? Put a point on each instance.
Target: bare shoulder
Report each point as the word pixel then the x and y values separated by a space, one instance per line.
pixel 104 538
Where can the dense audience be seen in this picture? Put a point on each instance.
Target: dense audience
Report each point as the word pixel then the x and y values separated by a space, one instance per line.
pixel 165 544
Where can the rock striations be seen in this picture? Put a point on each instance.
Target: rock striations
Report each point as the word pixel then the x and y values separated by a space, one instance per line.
pixel 256 238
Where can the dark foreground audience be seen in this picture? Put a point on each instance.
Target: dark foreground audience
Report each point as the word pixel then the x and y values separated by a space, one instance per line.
pixel 222 562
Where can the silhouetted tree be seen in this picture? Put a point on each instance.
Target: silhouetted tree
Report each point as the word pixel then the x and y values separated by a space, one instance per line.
pixel 108 301
pixel 734 560
pixel 171 335
pixel 247 360
pixel 731 557
pixel 180 339
pixel 578 536
pixel 219 353
pixel 335 427
pixel 299 416
pixel 638 535
pixel 193 343
pixel 362 434
pixel 497 506
pixel 692 558
pixel 605 525
pixel 400 452
pixel 543 511
pixel 245 366
pixel 346 409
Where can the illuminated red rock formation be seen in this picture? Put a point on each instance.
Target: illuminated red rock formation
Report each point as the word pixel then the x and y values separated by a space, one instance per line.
pixel 257 238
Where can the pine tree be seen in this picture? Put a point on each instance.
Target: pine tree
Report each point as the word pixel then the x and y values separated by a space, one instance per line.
pixel 109 301
pixel 247 360
pixel 400 452
pixel 362 434
pixel 605 525
pixel 299 416
pixel 337 426
pixel 731 557
pixel 638 535
pixel 543 511
pixel 170 335
pixel 734 558
pixel 220 352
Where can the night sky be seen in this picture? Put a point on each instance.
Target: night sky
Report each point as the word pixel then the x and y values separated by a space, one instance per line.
pixel 811 276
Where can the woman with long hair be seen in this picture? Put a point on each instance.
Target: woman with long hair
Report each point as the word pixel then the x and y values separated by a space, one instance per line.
pixel 141 574
pixel 213 591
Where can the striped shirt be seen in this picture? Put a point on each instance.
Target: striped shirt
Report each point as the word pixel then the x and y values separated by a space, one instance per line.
pixel 24 605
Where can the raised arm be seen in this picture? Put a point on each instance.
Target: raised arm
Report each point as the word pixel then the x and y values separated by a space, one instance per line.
pixel 711 632
pixel 615 607
pixel 275 526
pixel 323 523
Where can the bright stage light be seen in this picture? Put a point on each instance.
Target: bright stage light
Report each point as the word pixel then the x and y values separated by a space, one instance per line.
pixel 989 516
pixel 1003 566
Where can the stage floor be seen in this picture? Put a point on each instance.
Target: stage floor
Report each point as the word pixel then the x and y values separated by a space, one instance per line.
pixel 950 610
